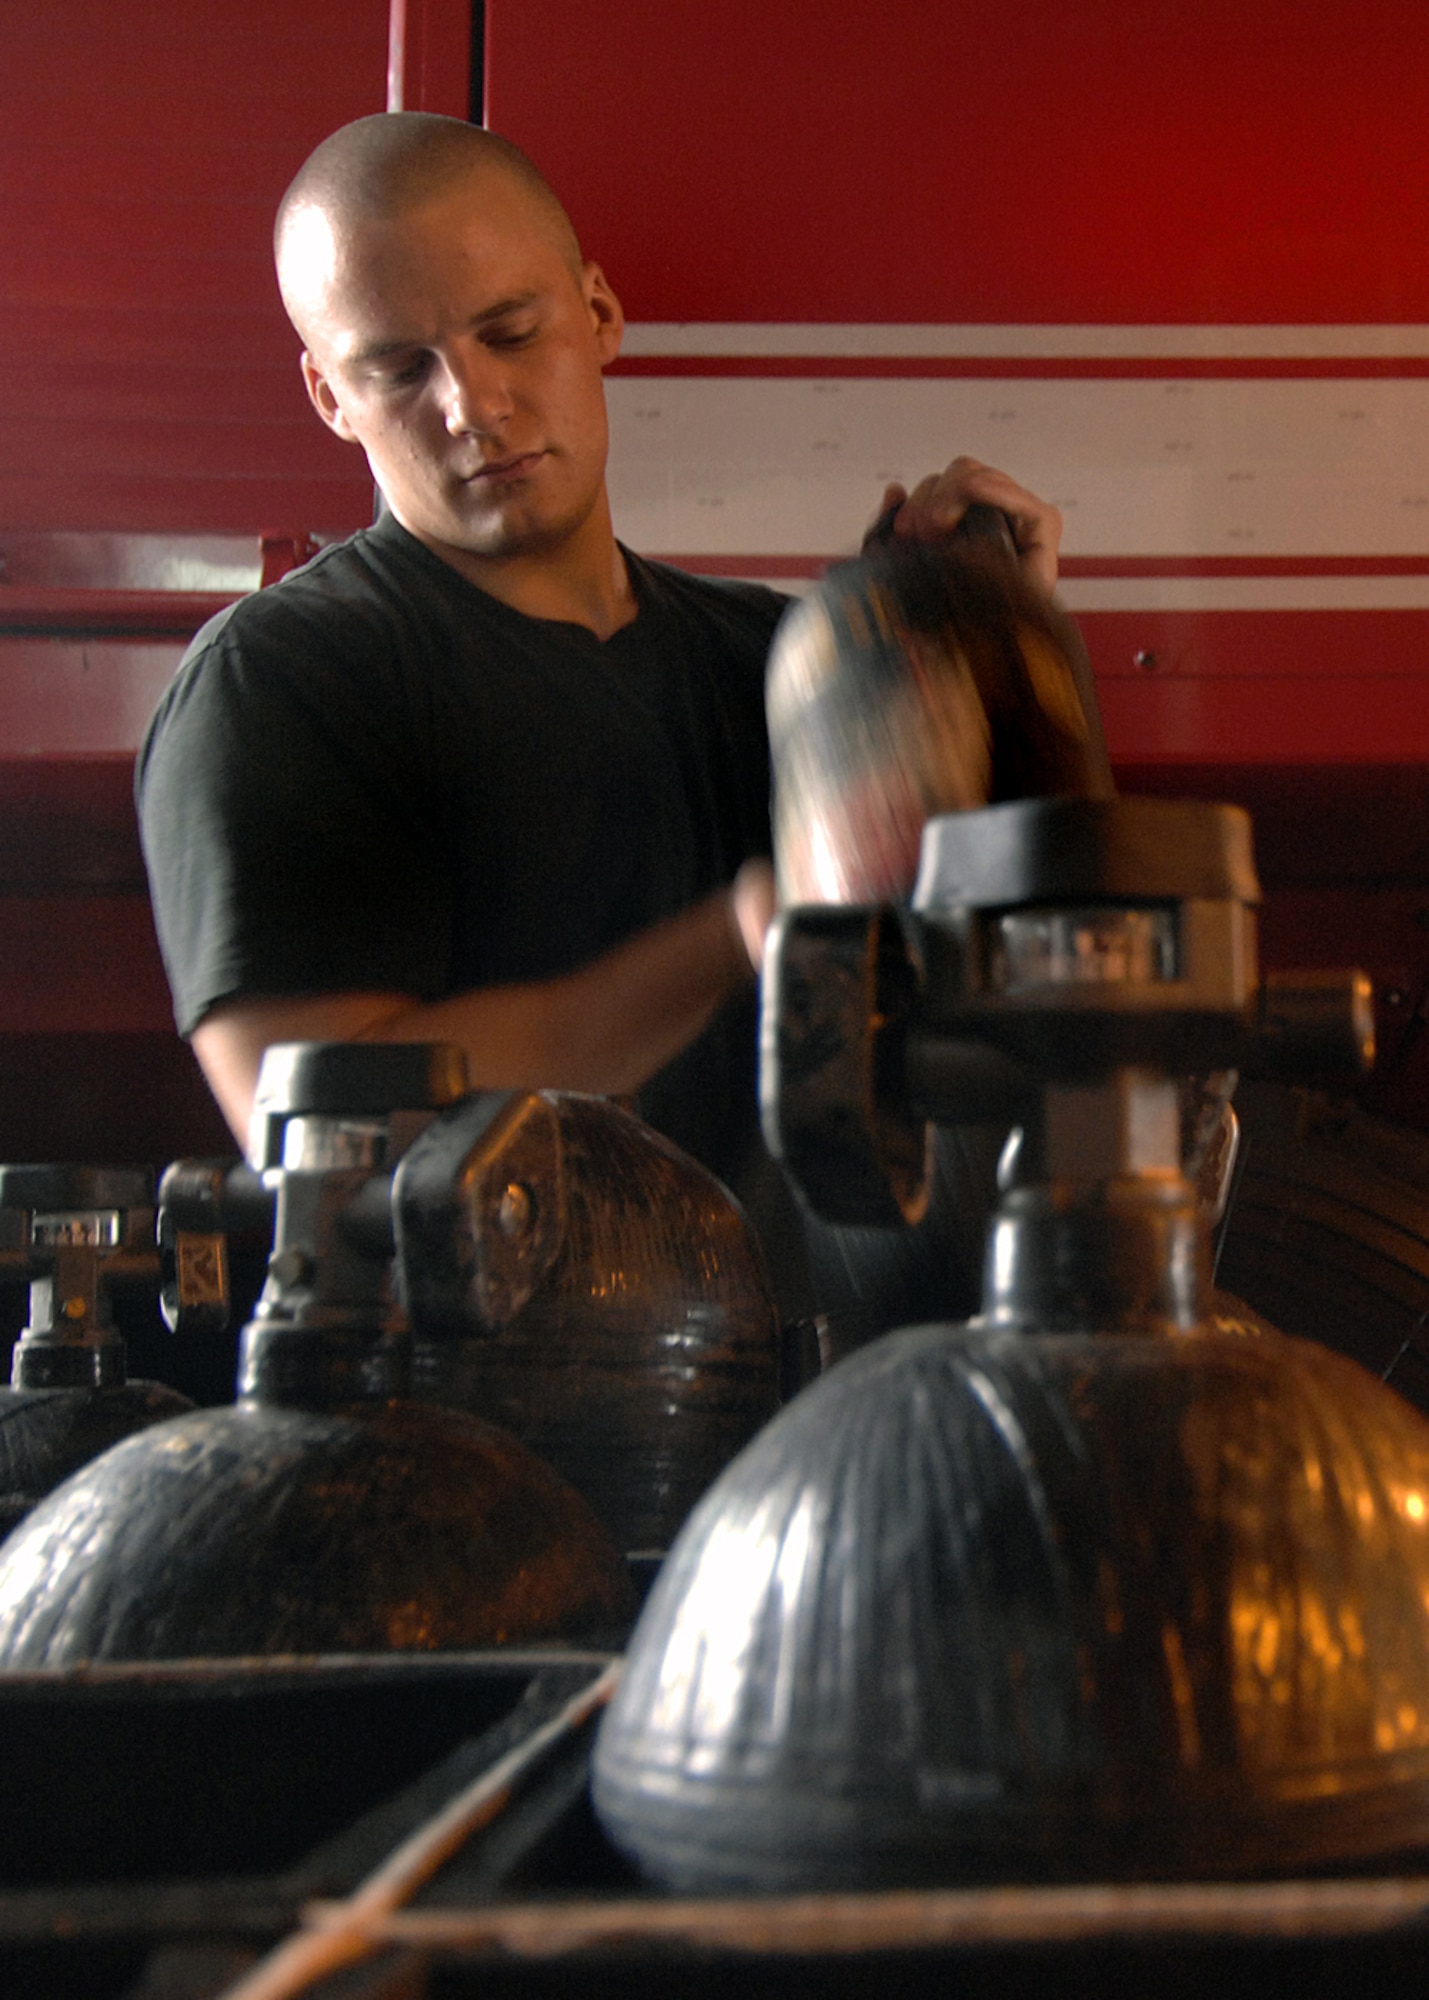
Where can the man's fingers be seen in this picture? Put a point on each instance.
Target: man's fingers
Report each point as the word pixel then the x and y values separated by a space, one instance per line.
pixel 753 904
pixel 938 503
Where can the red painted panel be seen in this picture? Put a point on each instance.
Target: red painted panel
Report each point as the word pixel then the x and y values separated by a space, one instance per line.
pixel 68 824
pixel 1317 687
pixel 1368 719
pixel 1317 827
pixel 106 1097
pixel 151 377
pixel 64 698
pixel 80 964
pixel 1109 160
pixel 103 613
pixel 434 45
pixel 169 504
pixel 185 446
pixel 1377 645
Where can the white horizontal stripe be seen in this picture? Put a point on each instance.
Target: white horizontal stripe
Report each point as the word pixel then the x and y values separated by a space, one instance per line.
pixel 719 339
pixel 101 561
pixel 1211 593
pixel 1245 593
pixel 790 586
pixel 754 465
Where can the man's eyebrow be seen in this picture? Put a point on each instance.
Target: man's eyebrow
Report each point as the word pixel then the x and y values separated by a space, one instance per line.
pixel 381 350
pixel 520 302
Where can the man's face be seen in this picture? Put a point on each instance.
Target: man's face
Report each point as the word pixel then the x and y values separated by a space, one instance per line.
pixel 460 347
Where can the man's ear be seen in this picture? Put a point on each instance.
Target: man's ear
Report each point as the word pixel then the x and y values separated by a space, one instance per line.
pixel 607 313
pixel 323 400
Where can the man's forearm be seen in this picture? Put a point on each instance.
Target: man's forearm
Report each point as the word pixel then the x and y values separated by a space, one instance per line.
pixel 606 1027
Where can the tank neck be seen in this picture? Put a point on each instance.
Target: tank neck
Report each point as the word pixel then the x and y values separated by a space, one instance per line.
pixel 329 1329
pixel 316 1366
pixel 1098 1229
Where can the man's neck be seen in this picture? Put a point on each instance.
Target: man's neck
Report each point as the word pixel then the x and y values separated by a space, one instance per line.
pixel 586 583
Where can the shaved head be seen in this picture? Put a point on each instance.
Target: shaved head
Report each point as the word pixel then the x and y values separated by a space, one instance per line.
pixel 376 168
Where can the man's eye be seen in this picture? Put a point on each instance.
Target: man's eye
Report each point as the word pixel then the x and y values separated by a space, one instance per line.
pixel 402 374
pixel 515 334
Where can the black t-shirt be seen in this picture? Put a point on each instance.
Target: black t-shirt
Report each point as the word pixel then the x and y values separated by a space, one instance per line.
pixel 373 776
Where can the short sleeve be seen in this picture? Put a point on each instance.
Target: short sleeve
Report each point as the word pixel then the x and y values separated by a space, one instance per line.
pixel 279 797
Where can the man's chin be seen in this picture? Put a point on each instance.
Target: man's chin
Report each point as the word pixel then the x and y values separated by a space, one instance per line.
pixel 509 528
pixel 506 539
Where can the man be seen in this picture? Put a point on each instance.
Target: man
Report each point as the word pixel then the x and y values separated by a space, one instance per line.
pixel 479 775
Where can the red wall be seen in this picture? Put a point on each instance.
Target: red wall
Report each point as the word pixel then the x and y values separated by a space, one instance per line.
pixel 150 378
pixel 149 386
pixel 1134 160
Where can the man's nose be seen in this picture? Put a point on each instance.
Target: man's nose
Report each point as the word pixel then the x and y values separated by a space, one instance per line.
pixel 476 397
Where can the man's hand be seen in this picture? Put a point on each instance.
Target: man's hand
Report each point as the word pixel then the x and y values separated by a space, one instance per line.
pixel 936 505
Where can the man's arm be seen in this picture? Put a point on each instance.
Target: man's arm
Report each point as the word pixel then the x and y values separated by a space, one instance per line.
pixel 607 1027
